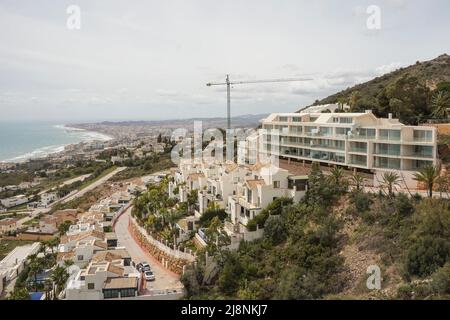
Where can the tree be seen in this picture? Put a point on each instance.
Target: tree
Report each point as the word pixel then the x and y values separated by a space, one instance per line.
pixel 36 267
pixel 358 180
pixel 440 103
pixel 353 99
pixel 427 256
pixel 275 230
pixel 389 181
pixel 336 178
pixel 59 277
pixel 428 175
pixel 19 294
pixel 64 227
pixel 341 102
pixel 210 214
pixel 192 199
pixel 406 98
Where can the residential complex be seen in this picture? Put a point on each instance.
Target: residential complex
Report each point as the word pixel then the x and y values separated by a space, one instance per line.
pixel 242 190
pixel 355 140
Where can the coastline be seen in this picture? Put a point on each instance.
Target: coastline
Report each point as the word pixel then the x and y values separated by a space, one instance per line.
pixel 43 152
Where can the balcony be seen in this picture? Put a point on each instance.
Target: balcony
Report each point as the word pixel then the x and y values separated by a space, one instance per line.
pixel 358 150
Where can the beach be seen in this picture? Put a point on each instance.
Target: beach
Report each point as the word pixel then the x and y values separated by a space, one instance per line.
pixel 21 142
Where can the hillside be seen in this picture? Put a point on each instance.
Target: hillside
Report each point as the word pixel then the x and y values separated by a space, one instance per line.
pixel 406 92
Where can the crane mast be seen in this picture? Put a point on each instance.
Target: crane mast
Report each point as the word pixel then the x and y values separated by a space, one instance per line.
pixel 228 83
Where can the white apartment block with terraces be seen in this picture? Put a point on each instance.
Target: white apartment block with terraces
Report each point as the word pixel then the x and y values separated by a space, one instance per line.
pixel 356 140
pixel 266 184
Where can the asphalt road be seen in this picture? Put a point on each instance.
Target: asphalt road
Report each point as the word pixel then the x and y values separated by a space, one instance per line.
pixel 164 279
pixel 94 185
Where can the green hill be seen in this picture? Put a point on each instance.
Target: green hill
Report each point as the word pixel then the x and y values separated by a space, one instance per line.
pixel 407 92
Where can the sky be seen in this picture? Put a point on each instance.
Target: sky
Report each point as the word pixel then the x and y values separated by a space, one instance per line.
pixel 148 60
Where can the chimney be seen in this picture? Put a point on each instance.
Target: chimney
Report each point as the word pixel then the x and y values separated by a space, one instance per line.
pixel 390 116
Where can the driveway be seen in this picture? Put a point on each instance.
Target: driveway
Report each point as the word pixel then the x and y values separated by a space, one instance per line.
pixel 164 279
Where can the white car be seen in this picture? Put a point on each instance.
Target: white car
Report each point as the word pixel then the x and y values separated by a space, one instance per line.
pixel 149 276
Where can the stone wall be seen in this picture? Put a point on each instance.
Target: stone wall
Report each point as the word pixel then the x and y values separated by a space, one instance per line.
pixel 168 261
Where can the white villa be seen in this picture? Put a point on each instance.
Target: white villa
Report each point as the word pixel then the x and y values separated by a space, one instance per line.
pixel 242 190
pixel 266 184
pixel 104 280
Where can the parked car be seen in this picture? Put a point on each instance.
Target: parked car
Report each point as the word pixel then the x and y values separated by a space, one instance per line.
pixel 149 276
pixel 146 266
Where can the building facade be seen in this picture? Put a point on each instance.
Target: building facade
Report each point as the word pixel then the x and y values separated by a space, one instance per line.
pixel 356 140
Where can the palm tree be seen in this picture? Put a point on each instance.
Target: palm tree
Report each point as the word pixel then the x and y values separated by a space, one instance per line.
pixel 48 288
pixel 428 175
pixel 336 175
pixel 389 181
pixel 43 247
pixel 59 277
pixel 440 104
pixel 341 102
pixel 52 243
pixel 36 267
pixel 358 180
pixel 353 99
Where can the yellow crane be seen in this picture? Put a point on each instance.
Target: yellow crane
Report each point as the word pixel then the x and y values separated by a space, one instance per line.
pixel 228 83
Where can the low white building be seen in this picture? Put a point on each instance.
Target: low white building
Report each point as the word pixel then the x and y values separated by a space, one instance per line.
pixel 104 280
pixel 14 201
pixel 48 198
pixel 256 193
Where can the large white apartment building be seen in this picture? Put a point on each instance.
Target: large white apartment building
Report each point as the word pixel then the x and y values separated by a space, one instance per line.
pixel 357 140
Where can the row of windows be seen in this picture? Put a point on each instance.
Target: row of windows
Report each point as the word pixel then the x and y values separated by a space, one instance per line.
pixel 114 293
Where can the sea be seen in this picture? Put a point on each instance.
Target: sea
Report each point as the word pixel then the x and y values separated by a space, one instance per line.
pixel 22 141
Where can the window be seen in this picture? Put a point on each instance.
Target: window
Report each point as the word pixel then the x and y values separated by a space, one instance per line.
pixel 389 134
pixel 387 149
pixel 91 286
pixel 276 184
pixel 296 119
pixel 127 292
pixel 423 135
pixel 108 294
pixel 283 119
pixel 342 131
pixel 345 120
pixel 366 133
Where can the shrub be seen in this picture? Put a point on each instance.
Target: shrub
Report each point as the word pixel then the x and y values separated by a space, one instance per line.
pixel 403 205
pixel 425 257
pixel 275 230
pixel 441 280
pixel 361 201
pixel 209 214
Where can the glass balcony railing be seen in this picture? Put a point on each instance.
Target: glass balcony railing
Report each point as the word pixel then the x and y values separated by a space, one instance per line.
pixel 395 153
pixel 358 162
pixel 356 149
pixel 418 154
pixel 362 137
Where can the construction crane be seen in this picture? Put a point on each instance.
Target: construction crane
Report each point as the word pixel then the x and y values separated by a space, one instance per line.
pixel 228 83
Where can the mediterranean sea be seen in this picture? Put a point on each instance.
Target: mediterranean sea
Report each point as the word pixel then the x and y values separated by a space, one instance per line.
pixel 22 141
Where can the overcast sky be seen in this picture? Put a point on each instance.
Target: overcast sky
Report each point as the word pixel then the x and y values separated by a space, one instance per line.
pixel 135 60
